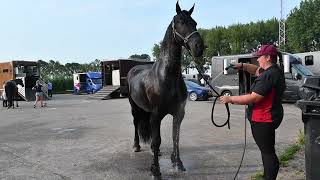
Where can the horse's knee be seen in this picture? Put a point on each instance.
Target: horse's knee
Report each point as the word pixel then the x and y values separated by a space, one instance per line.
pixel 155 144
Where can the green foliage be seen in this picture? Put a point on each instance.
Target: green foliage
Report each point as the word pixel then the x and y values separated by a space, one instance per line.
pixel 301 137
pixel 257 176
pixel 142 56
pixel 303 27
pixel 60 85
pixel 289 153
pixel 239 38
pixel 54 70
pixel 156 51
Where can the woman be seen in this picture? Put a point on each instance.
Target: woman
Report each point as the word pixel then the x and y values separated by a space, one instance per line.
pixel 39 94
pixel 265 110
pixel 4 96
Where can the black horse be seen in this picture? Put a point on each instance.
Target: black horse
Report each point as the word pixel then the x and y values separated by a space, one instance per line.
pixel 11 90
pixel 157 90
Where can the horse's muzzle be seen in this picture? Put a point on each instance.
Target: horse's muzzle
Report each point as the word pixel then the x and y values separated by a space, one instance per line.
pixel 196 46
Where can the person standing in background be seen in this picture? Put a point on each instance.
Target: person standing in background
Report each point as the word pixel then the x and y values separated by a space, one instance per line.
pixel 39 94
pixel 50 89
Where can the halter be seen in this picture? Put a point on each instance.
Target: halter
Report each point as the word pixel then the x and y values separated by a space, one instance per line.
pixel 185 39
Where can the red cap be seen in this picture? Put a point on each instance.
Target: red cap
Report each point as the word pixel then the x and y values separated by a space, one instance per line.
pixel 266 50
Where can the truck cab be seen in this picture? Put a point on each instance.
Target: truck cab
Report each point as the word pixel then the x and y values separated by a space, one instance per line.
pixel 90 82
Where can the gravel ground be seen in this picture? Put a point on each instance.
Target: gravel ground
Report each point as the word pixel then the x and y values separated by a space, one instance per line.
pixel 77 138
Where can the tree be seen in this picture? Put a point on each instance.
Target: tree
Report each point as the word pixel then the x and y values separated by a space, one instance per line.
pixel 142 56
pixel 156 51
pixel 72 68
pixel 303 27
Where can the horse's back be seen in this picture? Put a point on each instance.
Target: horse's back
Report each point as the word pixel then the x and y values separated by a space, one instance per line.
pixel 138 70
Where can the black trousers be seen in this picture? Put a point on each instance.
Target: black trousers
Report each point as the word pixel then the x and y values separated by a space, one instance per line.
pixel 49 93
pixel 264 136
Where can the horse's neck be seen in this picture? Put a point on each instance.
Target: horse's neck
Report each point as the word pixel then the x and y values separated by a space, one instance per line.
pixel 170 55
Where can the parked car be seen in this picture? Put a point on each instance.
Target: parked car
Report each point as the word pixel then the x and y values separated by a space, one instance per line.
pixel 197 92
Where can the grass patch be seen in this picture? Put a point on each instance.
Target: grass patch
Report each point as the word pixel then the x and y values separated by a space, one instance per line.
pixel 301 137
pixel 289 153
pixel 257 176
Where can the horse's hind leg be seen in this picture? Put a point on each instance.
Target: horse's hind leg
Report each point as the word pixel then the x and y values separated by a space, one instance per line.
pixel 138 116
pixel 155 120
pixel 175 156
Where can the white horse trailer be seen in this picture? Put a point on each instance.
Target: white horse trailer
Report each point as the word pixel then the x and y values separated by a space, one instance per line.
pixel 311 60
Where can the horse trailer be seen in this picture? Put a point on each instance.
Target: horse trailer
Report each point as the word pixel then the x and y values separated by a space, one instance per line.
pixel 28 71
pixel 89 82
pixel 226 82
pixel 114 77
pixel 311 60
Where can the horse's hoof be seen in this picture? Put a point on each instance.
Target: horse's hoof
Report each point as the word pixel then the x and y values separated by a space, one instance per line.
pixel 155 170
pixel 137 148
pixel 180 168
pixel 156 177
pixel 178 165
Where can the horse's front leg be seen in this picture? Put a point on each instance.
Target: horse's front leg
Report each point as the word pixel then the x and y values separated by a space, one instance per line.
pixel 156 141
pixel 175 156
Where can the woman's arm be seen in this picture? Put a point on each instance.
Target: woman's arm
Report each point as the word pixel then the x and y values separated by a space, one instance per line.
pixel 244 99
pixel 250 68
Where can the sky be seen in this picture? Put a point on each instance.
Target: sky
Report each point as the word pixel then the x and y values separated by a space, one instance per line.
pixel 84 30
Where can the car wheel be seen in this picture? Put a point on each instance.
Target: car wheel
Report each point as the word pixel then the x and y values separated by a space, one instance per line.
pixel 193 96
pixel 226 93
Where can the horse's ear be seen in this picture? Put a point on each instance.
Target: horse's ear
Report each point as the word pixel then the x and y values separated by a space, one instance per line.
pixel 178 9
pixel 191 10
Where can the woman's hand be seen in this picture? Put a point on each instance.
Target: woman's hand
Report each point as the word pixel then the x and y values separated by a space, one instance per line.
pixel 226 99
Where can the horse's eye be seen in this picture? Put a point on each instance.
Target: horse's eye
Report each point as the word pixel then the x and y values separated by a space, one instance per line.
pixel 180 20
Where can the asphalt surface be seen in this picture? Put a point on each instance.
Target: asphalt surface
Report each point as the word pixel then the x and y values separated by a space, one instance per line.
pixel 78 138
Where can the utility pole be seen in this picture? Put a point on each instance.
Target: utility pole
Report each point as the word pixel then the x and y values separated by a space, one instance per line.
pixel 282 29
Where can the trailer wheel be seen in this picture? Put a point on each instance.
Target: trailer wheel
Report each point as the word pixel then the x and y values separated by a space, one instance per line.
pixel 226 93
pixel 193 96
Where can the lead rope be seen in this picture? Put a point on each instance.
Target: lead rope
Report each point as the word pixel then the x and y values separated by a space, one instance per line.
pixel 228 112
pixel 215 99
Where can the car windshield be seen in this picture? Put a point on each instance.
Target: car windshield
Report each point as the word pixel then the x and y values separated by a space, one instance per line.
pixel 97 81
pixel 193 84
pixel 305 71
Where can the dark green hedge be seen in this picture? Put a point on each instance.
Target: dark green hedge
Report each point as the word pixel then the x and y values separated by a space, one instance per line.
pixel 61 85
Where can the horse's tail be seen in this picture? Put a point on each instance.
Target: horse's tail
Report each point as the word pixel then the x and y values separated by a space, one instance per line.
pixel 9 91
pixel 144 127
pixel 141 121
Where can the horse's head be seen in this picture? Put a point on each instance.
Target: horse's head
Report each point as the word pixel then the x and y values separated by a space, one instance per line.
pixel 185 31
pixel 19 81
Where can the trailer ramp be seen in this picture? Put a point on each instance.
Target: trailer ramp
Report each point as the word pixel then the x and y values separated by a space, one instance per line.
pixel 107 92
